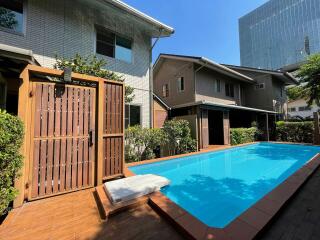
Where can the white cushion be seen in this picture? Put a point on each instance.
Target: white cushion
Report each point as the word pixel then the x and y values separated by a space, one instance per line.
pixel 126 189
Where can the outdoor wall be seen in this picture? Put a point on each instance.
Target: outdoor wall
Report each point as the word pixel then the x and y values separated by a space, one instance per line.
pixel 260 98
pixel 299 112
pixel 160 114
pixel 68 27
pixel 205 87
pixel 168 73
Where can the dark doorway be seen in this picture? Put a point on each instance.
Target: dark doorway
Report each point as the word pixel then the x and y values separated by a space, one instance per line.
pixel 215 120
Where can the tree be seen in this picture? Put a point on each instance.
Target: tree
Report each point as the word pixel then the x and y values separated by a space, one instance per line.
pixel 309 73
pixel 7 18
pixel 295 92
pixel 93 66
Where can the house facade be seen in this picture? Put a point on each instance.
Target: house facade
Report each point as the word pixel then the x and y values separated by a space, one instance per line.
pixel 300 109
pixel 220 97
pixel 110 29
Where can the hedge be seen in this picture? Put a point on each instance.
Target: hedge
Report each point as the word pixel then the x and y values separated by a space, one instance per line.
pixel 11 137
pixel 300 132
pixel 243 135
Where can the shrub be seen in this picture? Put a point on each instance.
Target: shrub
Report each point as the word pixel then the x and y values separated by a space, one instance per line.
pixel 91 65
pixel 141 143
pixel 179 137
pixel 11 137
pixel 301 132
pixel 243 135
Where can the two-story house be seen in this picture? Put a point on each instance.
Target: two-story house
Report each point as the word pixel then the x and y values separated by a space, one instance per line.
pixel 215 97
pixel 35 31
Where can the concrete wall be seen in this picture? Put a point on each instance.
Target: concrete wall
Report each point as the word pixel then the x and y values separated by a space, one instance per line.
pixel 205 87
pixel 168 73
pixel 68 27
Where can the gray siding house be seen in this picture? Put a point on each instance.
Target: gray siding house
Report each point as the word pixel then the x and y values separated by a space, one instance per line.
pixel 109 29
pixel 215 97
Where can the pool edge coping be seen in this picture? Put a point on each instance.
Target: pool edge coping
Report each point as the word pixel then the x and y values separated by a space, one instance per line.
pixel 247 225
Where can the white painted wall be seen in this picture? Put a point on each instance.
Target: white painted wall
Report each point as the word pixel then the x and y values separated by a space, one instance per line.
pixel 301 103
pixel 67 27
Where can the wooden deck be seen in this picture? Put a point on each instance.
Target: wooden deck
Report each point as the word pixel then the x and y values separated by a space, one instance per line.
pixel 75 216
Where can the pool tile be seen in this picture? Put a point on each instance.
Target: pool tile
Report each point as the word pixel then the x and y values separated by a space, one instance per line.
pixel 193 226
pixel 268 206
pixel 282 193
pixel 239 230
pixel 255 218
pixel 216 234
pixel 165 205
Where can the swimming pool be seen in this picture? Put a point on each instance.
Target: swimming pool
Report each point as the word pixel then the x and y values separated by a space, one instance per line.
pixel 216 187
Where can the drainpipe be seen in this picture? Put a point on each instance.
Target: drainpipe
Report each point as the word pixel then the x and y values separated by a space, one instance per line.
pixel 151 77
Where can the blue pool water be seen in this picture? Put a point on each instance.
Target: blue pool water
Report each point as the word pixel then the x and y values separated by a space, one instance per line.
pixel 217 187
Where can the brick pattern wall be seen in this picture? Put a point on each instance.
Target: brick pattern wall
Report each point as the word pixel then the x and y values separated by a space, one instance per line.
pixel 66 27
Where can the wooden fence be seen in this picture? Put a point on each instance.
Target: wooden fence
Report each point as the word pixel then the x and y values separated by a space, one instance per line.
pixel 74 133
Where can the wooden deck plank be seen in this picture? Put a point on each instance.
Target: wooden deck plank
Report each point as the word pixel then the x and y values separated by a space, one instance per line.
pixel 76 216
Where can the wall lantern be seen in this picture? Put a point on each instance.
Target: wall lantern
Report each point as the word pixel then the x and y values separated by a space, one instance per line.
pixel 67 74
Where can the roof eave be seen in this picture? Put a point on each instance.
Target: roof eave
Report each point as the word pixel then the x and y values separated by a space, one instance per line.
pixel 166 30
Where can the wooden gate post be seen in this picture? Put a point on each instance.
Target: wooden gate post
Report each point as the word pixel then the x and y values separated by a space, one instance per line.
pixel 316 134
pixel 24 115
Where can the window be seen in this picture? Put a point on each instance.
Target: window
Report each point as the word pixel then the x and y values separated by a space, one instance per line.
pixel 165 90
pixel 218 85
pixel 292 109
pixel 132 115
pixel 112 45
pixel 304 108
pixel 180 84
pixel 2 95
pixel 259 86
pixel 11 15
pixel 229 90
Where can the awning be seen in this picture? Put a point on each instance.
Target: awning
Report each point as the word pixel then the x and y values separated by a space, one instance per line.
pixel 223 106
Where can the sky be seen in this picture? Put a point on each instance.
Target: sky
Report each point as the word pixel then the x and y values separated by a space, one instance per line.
pixel 207 28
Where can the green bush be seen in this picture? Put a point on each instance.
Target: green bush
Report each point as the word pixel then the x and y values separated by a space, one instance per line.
pixel 11 137
pixel 301 132
pixel 141 143
pixel 179 137
pixel 243 135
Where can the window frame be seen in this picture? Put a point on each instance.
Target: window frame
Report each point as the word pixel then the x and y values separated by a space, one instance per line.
pixel 165 90
pixel 181 80
pixel 24 22
pixel 229 90
pixel 218 85
pixel 101 28
pixel 140 115
pixel 258 86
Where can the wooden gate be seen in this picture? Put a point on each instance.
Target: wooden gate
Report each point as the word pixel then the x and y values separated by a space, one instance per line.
pixel 63 138
pixel 74 133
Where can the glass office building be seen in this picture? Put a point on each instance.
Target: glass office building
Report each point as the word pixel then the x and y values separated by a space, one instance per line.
pixel 280 33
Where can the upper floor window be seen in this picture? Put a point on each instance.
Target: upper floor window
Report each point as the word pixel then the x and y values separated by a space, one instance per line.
pixel 112 45
pixel 11 15
pixel 304 108
pixel 259 86
pixel 165 90
pixel 229 87
pixel 218 85
pixel 292 109
pixel 132 115
pixel 181 84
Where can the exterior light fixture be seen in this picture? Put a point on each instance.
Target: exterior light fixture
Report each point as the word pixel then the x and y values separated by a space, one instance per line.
pixel 67 74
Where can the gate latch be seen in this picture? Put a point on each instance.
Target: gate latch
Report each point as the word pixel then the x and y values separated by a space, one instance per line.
pixel 91 138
